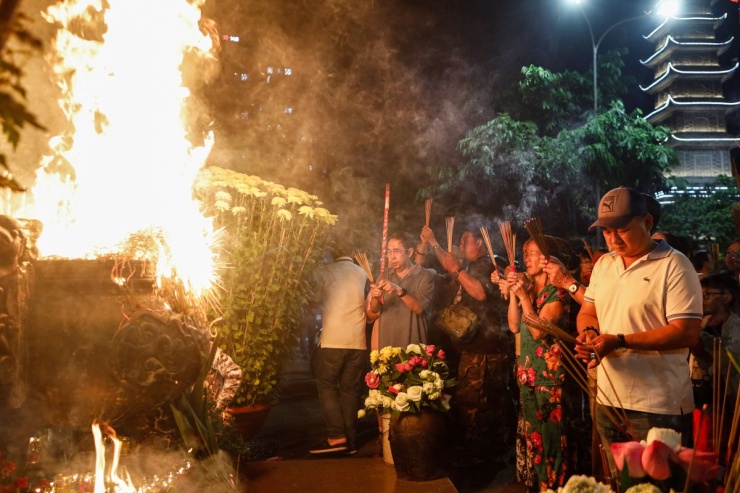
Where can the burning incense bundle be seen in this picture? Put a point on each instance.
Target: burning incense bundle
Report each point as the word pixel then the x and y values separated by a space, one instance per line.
pixel 450 224
pixel 487 240
pixel 509 241
pixel 428 210
pixel 589 251
pixel 364 263
pixel 384 243
pixel 534 228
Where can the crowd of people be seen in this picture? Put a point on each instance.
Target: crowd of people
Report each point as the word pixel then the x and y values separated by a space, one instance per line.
pixel 645 314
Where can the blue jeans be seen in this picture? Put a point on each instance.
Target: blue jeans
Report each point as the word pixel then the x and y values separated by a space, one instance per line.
pixel 638 422
pixel 339 379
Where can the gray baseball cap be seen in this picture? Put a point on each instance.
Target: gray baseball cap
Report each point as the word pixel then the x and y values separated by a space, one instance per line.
pixel 617 208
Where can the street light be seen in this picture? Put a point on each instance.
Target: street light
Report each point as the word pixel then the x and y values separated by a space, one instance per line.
pixel 664 8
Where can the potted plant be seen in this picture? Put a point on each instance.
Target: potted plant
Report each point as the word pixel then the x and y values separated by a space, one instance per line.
pixel 407 387
pixel 273 237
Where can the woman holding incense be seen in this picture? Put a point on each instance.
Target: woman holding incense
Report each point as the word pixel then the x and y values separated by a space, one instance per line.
pixel 539 370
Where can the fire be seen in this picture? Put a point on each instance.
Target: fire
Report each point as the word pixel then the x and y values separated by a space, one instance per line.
pixel 119 485
pixel 125 163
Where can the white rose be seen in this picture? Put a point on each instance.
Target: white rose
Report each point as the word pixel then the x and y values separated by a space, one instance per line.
pixel 424 374
pixel 446 401
pixel 429 388
pixel 666 435
pixel 435 395
pixel 439 384
pixel 386 401
pixel 413 348
pixel 402 402
pixel 415 393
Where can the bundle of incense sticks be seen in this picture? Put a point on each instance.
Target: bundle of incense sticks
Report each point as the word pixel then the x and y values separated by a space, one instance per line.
pixel 713 250
pixel 428 211
pixel 487 240
pixel 735 208
pixel 547 327
pixel 534 228
pixel 450 224
pixel 577 370
pixel 589 250
pixel 364 263
pixel 509 241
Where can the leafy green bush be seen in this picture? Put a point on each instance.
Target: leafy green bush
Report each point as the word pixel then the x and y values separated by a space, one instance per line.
pixel 273 239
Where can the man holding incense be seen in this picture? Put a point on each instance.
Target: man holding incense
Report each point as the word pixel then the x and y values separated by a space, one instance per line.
pixel 640 314
pixel 402 299
pixel 483 404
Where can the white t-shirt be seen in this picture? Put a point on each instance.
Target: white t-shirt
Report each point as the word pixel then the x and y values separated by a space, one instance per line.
pixel 657 288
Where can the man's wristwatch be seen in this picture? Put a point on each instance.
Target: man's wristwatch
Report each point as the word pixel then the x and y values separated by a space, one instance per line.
pixel 402 293
pixel 621 342
pixel 573 287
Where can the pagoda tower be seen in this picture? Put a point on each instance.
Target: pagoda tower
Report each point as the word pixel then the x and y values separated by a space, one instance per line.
pixel 688 91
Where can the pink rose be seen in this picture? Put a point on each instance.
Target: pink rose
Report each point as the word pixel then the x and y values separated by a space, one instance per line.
pixel 441 354
pixel 393 390
pixel 372 380
pixel 430 349
pixel 401 367
pixel 424 363
pixel 705 466
pixel 409 367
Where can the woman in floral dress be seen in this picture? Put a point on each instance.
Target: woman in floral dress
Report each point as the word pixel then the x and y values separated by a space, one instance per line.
pixel 539 372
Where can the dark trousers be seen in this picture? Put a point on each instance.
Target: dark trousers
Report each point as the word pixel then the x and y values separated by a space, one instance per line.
pixel 339 377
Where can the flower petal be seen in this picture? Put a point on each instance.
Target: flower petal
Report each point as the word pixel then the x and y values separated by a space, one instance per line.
pixel 655 460
pixel 704 467
pixel 631 454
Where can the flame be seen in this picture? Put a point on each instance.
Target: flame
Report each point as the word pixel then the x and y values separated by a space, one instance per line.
pixel 119 485
pixel 125 164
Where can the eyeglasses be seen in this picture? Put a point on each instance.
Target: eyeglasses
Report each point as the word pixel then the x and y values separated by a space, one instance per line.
pixel 707 294
pixel 396 251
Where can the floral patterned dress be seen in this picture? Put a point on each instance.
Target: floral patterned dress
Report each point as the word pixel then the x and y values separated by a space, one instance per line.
pixel 540 375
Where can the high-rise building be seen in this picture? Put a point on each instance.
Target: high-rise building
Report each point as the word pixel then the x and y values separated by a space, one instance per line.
pixel 688 90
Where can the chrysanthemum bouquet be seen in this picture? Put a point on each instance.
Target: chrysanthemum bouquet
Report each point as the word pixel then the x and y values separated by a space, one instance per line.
pixel 405 380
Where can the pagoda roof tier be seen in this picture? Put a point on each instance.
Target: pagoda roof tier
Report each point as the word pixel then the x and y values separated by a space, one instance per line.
pixel 703 139
pixel 669 22
pixel 672 45
pixel 673 73
pixel 672 105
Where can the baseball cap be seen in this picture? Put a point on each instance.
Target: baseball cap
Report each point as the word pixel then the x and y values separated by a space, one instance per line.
pixel 617 208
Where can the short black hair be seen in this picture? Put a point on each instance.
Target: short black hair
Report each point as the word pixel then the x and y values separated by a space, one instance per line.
pixel 407 239
pixel 722 281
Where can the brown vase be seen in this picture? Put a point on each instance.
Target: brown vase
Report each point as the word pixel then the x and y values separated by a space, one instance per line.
pixel 420 445
pixel 249 420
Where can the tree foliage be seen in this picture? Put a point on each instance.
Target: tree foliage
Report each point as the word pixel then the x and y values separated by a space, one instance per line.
pixel 555 164
pixel 16 43
pixel 706 219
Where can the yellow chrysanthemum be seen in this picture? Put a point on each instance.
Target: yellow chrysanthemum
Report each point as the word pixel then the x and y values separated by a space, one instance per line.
pixel 278 201
pixel 306 211
pixel 374 356
pixel 284 215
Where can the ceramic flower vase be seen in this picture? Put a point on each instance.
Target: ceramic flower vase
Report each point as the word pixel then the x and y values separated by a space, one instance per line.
pixel 385 425
pixel 420 445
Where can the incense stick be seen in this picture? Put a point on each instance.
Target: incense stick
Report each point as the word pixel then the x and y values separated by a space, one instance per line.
pixel 534 228
pixel 428 211
pixel 384 242
pixel 589 251
pixel 450 224
pixel 487 240
pixel 509 239
pixel 362 261
pixel 547 327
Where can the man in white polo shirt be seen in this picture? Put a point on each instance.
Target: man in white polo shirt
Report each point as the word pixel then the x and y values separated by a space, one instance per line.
pixel 641 313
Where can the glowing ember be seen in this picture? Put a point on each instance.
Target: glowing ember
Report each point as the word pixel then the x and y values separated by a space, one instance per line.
pixel 125 163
